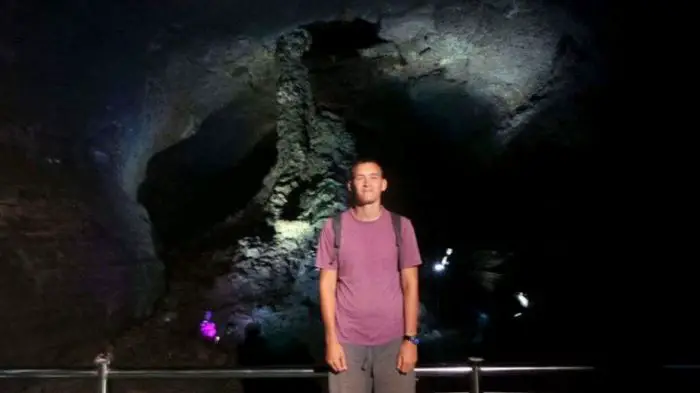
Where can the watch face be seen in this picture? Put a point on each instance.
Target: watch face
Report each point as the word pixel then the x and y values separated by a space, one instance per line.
pixel 412 339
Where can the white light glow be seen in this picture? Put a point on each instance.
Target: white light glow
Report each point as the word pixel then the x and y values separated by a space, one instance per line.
pixel 440 266
pixel 522 299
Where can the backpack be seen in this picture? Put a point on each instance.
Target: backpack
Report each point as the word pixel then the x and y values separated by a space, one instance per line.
pixel 337 230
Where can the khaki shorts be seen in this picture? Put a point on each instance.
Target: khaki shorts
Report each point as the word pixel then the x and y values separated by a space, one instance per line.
pixel 372 369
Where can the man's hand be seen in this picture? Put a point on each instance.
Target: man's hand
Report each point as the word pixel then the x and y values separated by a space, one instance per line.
pixel 408 357
pixel 335 357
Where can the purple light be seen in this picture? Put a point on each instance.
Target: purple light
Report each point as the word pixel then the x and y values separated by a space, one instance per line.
pixel 208 329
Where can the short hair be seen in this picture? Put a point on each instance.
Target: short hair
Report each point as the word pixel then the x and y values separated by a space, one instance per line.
pixel 364 160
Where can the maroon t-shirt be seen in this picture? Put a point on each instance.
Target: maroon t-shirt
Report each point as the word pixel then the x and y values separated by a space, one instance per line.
pixel 369 298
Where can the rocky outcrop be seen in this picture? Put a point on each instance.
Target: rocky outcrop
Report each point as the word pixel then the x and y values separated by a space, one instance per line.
pixel 469 68
pixel 65 278
pixel 507 57
pixel 272 276
pixel 485 66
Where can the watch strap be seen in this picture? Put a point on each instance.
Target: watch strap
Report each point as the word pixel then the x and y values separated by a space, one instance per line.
pixel 411 339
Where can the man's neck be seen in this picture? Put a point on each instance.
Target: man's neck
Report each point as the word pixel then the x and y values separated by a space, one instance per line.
pixel 369 212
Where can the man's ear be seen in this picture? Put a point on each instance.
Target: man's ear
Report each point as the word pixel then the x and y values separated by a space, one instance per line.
pixel 385 184
pixel 349 184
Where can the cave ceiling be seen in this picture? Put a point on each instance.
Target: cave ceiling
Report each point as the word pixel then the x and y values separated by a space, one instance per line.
pixel 505 61
pixel 478 76
pixel 472 75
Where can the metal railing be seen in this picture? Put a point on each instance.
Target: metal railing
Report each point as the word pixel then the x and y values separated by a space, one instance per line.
pixel 103 373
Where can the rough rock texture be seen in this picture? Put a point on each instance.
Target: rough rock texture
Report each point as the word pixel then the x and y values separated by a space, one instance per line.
pixel 505 62
pixel 511 58
pixel 271 277
pixel 67 282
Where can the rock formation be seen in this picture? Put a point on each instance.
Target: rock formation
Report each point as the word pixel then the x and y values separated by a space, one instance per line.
pixel 303 189
pixel 475 78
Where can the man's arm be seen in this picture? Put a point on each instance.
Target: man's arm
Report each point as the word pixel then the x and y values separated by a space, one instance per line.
pixel 327 286
pixel 410 260
pixel 328 278
pixel 411 303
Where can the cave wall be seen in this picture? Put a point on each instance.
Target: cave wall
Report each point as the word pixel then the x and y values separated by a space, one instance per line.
pixel 66 278
pixel 487 53
pixel 272 276
pixel 505 54
pixel 205 58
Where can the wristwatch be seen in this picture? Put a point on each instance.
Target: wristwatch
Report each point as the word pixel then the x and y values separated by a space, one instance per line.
pixel 412 339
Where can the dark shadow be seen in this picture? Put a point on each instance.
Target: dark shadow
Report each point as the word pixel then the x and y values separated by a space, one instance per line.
pixel 256 351
pixel 202 180
pixel 424 145
pixel 545 191
pixel 294 208
pixel 341 39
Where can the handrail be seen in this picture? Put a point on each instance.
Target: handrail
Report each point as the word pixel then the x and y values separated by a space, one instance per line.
pixel 252 373
pixel 103 372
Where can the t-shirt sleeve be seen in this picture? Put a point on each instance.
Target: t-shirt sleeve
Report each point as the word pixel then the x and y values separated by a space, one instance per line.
pixel 325 250
pixel 410 253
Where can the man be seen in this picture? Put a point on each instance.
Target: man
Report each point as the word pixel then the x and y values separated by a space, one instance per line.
pixel 369 293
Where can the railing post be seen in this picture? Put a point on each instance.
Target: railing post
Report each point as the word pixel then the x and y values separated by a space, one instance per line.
pixel 102 362
pixel 476 374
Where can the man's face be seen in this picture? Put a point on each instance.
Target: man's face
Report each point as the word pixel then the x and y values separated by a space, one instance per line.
pixel 367 183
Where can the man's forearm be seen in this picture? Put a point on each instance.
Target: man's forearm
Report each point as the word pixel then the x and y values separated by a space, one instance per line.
pixel 328 314
pixel 411 312
pixel 327 297
pixel 411 305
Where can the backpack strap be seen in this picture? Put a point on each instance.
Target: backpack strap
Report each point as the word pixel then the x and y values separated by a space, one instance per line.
pixel 336 238
pixel 337 231
pixel 396 223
